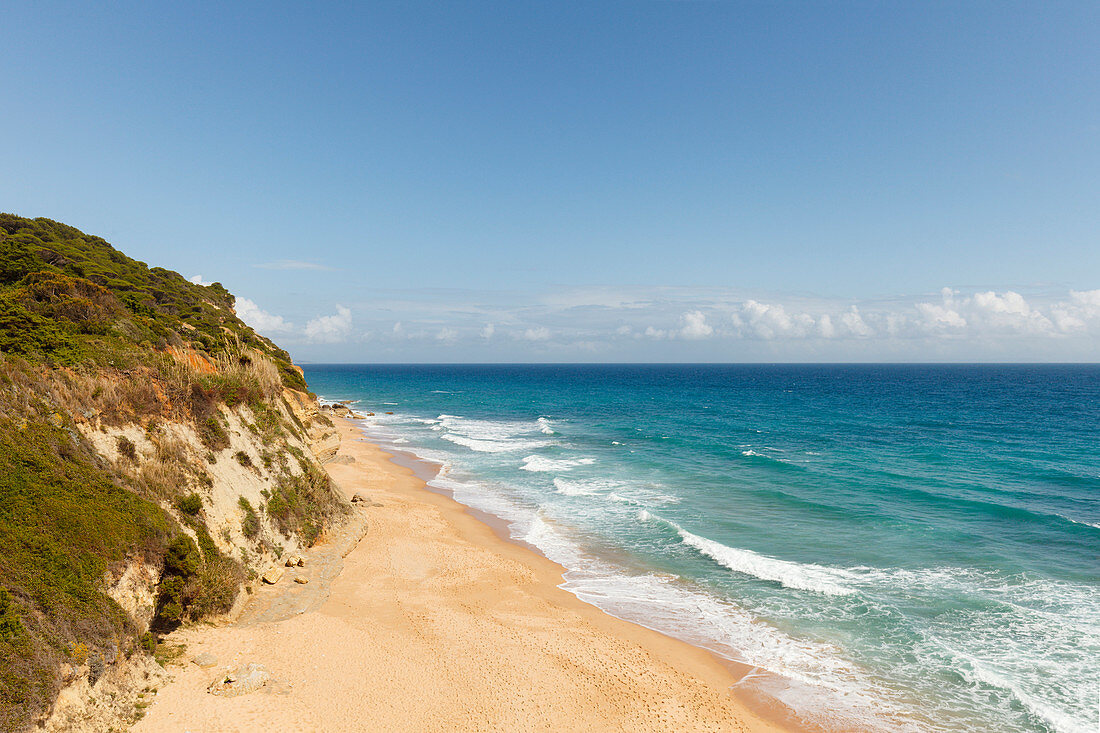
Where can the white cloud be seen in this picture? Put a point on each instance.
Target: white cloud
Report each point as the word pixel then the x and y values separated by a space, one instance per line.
pixel 293 265
pixel 330 329
pixel 197 279
pixel 1079 314
pixel 260 319
pixel 768 321
pixel 694 325
pixel 991 314
pixel 674 323
pixel 854 323
pixel 940 318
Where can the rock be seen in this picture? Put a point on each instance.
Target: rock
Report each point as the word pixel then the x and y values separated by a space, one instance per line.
pixel 301 561
pixel 389 413
pixel 293 560
pixel 370 414
pixel 272 576
pixel 301 581
pixel 358 497
pixel 324 447
pixel 204 660
pixel 244 679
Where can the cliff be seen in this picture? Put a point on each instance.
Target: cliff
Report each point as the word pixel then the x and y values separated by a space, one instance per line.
pixel 156 457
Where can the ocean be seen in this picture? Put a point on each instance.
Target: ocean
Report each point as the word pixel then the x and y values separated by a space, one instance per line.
pixel 897 547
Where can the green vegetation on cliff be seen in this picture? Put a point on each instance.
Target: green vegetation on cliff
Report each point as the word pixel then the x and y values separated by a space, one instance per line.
pixel 69 298
pixel 92 341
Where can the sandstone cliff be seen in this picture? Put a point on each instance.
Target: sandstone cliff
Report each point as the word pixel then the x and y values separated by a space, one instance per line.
pixel 157 457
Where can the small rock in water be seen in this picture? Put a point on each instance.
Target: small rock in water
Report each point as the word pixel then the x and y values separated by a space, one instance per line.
pixel 204 660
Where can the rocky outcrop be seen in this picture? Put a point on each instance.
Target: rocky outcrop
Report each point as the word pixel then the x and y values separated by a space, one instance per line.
pixel 240 681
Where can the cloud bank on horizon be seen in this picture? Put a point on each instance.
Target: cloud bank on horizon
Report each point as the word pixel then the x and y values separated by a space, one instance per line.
pixel 677 324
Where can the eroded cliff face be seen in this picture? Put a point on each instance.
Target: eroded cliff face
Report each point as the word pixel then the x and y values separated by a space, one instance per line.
pixel 157 455
pixel 255 489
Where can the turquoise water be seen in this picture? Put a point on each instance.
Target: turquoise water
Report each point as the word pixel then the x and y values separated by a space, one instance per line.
pixel 899 547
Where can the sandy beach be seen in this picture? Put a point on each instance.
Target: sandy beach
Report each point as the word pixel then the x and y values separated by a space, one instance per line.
pixel 434 622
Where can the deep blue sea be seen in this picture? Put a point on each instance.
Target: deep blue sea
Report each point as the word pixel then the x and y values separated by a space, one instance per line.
pixel 896 547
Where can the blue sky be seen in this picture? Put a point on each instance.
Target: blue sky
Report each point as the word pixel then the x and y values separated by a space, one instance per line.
pixel 584 181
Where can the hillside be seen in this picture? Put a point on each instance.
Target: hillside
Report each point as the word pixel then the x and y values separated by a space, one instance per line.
pixel 156 456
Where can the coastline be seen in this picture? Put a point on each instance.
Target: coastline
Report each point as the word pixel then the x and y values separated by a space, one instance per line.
pixel 438 622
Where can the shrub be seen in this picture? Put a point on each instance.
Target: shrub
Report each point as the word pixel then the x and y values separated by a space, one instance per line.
pixel 11 628
pixel 250 522
pixel 243 459
pixel 126 448
pixel 212 434
pixel 190 504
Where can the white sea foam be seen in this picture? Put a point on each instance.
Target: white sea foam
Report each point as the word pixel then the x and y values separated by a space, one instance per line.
pixel 544 426
pixel 1094 525
pixel 544 464
pixel 489 436
pixel 803 576
pixel 1059 720
pixel 573 488
pixel 494 446
pixel 789 574
pixel 642 496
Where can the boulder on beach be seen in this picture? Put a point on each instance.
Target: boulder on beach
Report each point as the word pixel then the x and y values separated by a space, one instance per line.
pixel 293 561
pixel 244 679
pixel 204 660
pixel 272 576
